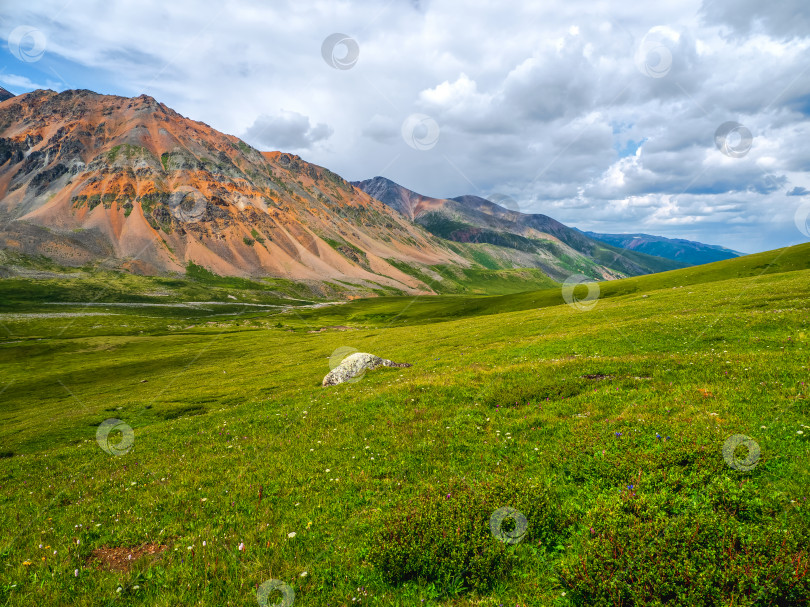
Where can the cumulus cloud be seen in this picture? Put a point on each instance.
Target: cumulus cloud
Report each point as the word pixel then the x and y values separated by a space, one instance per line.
pixel 603 116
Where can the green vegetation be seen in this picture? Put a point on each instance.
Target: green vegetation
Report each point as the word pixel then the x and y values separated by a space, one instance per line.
pixel 441 225
pixel 446 540
pixel 471 237
pixel 349 251
pixel 41 285
pixel 338 244
pixel 480 281
pixel 482 258
pixel 128 151
pixel 603 427
pixel 433 309
pixel 206 277
pixel 153 201
pixel 610 256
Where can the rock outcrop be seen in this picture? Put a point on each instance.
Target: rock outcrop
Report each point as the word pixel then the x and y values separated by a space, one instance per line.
pixel 355 365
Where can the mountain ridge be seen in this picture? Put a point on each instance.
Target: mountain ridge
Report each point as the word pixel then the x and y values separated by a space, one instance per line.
pixel 85 176
pixel 689 251
pixel 532 239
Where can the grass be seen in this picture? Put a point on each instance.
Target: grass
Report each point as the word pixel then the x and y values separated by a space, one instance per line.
pixel 605 426
pixel 402 311
pixel 477 281
pixel 38 284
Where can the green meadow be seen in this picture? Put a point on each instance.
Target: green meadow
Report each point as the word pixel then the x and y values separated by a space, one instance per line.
pixel 601 427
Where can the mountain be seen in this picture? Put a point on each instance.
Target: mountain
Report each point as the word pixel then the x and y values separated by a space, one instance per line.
pixel 522 239
pixel 88 178
pixel 4 94
pixel 678 249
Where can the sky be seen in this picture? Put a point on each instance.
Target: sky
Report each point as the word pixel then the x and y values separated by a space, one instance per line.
pixel 686 119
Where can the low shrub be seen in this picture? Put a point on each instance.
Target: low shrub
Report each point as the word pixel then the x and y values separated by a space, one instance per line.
pixel 444 536
pixel 736 544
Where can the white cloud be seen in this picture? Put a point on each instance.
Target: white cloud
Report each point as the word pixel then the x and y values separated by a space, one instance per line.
pixel 25 83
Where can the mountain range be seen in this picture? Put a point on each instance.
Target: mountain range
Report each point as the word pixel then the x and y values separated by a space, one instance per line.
pixel 515 238
pixel 129 183
pixel 678 249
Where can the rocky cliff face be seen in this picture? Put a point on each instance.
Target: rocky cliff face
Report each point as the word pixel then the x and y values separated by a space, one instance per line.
pixel 86 178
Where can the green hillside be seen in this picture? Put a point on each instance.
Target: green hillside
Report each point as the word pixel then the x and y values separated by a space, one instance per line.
pixel 604 428
pixel 431 309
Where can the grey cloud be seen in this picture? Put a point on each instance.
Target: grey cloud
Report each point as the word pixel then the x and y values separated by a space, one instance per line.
pixel 286 131
pixel 785 18
pixel 381 129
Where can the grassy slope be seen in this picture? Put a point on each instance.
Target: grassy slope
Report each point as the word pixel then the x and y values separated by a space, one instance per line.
pixel 399 311
pixel 478 281
pixel 236 442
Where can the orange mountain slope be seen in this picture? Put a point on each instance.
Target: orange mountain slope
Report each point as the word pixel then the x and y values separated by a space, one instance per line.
pixel 86 178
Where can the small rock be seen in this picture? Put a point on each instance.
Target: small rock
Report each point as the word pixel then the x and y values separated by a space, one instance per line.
pixel 357 364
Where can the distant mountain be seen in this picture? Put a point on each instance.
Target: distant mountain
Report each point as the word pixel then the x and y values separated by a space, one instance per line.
pixel 88 178
pixel 4 94
pixel 678 249
pixel 519 239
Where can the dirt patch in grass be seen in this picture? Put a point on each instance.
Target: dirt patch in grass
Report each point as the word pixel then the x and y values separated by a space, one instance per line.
pixel 123 558
pixel 597 376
